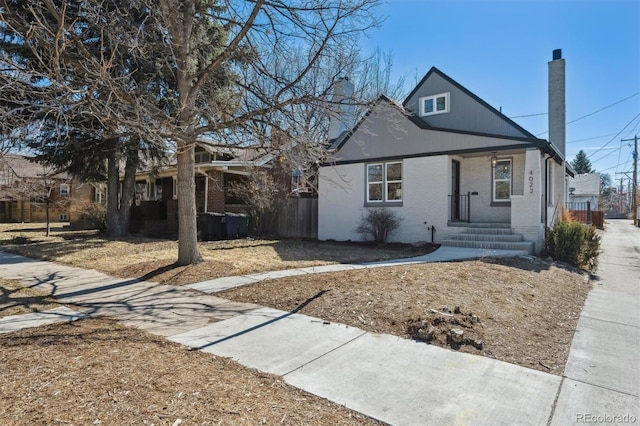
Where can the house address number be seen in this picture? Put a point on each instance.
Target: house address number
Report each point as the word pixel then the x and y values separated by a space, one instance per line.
pixel 530 181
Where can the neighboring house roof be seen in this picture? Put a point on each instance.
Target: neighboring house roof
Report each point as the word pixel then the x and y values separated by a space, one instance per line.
pixel 22 167
pixel 248 153
pixel 233 157
pixel 584 184
pixel 487 129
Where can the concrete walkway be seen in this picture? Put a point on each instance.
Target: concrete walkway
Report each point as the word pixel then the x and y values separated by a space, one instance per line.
pixel 601 381
pixel 443 254
pixel 391 379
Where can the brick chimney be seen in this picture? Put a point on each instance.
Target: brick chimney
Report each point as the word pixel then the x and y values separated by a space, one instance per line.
pixel 557 106
pixel 342 108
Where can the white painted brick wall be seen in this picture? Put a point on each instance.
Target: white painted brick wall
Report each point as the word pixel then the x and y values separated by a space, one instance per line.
pixel 426 185
pixel 526 216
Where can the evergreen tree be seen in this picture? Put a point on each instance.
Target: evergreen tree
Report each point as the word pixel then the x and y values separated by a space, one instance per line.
pixel 581 163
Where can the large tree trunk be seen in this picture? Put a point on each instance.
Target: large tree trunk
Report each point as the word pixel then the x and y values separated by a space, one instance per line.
pixel 119 204
pixel 188 252
pixel 48 218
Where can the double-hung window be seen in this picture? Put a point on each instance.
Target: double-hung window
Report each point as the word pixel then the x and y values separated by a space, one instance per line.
pixel 435 104
pixel 384 182
pixel 502 181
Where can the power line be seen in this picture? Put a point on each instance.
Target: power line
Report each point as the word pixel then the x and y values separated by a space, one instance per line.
pixel 613 151
pixel 591 138
pixel 602 109
pixel 613 138
pixel 530 115
pixel 595 112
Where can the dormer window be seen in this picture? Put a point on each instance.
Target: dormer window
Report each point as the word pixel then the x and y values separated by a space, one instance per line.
pixel 436 104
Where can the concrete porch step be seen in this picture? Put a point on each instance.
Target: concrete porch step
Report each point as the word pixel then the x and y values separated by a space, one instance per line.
pixel 488 231
pixel 495 225
pixel 493 228
pixel 497 237
pixel 499 245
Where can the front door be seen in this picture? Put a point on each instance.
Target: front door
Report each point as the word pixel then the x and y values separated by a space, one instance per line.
pixel 455 190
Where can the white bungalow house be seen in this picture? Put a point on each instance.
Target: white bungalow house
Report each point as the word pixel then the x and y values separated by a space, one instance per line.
pixel 456 170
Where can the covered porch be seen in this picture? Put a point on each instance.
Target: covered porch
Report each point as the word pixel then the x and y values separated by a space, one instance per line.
pixel 481 186
pixel 503 195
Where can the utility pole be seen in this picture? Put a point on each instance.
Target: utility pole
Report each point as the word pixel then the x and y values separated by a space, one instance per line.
pixel 634 195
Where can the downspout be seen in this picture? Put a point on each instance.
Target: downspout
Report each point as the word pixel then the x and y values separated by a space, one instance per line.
pixel 546 191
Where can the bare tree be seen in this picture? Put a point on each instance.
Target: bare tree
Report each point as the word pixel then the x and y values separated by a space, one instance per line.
pixel 175 71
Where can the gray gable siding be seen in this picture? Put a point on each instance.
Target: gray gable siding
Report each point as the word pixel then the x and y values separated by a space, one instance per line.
pixel 388 133
pixel 467 112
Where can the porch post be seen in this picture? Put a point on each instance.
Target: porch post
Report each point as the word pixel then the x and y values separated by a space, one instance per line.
pixel 526 217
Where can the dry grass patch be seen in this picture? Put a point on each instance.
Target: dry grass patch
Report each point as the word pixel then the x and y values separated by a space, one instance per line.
pixel 519 310
pixel 153 259
pixel 17 300
pixel 99 372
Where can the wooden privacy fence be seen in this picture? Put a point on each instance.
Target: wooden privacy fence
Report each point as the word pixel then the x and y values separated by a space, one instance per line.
pixel 298 219
pixel 582 211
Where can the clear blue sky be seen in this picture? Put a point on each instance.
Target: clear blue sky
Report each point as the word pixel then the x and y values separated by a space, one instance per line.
pixel 499 50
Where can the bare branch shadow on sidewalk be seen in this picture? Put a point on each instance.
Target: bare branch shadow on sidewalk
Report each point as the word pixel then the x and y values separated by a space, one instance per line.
pixel 264 324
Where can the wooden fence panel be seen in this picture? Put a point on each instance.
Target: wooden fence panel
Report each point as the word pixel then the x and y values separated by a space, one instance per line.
pixel 298 219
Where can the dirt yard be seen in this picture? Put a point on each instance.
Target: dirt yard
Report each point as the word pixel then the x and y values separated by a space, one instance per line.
pixel 153 259
pixel 97 372
pixel 523 311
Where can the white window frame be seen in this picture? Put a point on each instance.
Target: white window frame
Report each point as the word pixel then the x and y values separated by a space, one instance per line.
pixel 494 180
pixel 434 98
pixel 299 182
pixel 99 196
pixel 384 182
pixel 65 189
pixel 376 182
pixel 387 181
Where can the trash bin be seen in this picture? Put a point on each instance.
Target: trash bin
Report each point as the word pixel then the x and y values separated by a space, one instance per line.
pixel 232 228
pixel 244 225
pixel 211 226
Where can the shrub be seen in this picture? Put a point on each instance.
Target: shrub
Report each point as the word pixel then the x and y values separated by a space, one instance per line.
pixel 95 214
pixel 379 223
pixel 574 243
pixel 20 239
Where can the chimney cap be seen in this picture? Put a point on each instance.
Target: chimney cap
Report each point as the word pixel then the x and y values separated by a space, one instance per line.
pixel 557 54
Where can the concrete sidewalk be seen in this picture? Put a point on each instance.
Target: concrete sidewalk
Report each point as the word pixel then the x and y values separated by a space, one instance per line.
pixel 391 379
pixel 601 381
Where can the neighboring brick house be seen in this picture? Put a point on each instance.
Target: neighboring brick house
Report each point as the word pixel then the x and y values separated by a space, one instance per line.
pixel 216 171
pixel 24 186
pixel 155 209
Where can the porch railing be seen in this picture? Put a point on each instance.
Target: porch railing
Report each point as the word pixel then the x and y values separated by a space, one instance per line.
pixel 460 207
